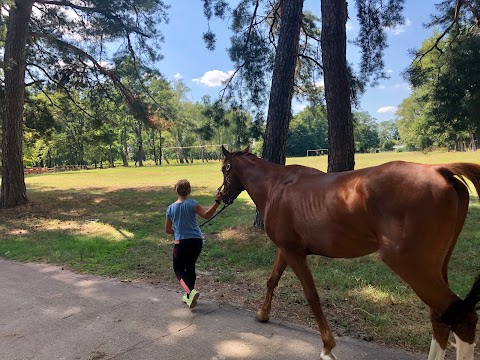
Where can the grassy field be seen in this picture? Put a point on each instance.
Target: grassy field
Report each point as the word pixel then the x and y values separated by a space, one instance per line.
pixel 110 222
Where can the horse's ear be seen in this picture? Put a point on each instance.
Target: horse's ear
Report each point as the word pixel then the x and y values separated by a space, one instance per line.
pixel 226 152
pixel 247 149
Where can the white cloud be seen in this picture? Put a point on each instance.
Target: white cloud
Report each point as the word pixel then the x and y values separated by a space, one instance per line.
pixel 298 108
pixel 349 26
pixel 401 28
pixel 104 64
pixel 389 71
pixel 397 86
pixel 386 109
pixel 214 78
pixel 401 86
pixel 4 10
pixel 177 76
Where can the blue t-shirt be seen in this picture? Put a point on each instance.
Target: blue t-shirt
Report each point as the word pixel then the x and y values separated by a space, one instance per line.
pixel 184 220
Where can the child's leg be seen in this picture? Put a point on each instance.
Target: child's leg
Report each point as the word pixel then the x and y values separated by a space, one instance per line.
pixel 179 266
pixel 184 258
pixel 195 247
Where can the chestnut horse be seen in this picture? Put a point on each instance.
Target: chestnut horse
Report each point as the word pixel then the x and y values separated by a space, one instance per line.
pixel 412 214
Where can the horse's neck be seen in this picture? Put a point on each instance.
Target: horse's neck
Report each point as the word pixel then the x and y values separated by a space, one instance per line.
pixel 258 178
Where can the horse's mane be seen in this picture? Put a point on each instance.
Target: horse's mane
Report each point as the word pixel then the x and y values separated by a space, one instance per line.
pixel 240 153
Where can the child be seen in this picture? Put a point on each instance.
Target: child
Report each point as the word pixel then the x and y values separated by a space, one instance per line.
pixel 181 221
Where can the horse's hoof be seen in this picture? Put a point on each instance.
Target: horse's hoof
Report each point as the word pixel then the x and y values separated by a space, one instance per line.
pixel 260 320
pixel 330 356
pixel 260 317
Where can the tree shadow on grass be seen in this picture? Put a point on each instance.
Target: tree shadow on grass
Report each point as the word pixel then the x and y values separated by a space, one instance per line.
pixel 115 233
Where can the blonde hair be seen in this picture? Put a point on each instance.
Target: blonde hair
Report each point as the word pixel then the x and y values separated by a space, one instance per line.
pixel 182 187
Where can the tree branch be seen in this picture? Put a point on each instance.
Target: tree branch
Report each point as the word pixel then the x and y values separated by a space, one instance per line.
pixel 419 58
pixel 271 35
pixel 116 81
pixel 227 84
pixel 250 28
pixel 473 10
pixel 312 60
pixel 93 10
pixel 67 92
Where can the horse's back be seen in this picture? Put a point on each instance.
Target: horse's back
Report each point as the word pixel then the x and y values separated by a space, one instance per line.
pixel 348 214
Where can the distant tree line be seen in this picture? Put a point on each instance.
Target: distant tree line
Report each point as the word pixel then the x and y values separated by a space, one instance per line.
pixel 104 131
pixel 309 131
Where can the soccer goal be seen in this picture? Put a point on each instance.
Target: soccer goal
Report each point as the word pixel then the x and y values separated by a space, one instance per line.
pixel 317 152
pixel 191 154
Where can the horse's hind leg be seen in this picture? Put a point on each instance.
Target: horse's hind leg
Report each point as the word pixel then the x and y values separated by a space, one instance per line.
pixel 263 313
pixel 298 263
pixel 440 336
pixel 465 326
pixel 425 278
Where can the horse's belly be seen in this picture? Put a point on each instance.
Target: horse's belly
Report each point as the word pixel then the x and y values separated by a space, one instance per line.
pixel 340 245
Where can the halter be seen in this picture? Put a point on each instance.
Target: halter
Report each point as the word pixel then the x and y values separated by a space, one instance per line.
pixel 226 182
pixel 226 202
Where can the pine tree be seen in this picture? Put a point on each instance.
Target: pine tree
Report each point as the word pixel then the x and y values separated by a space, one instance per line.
pixel 63 43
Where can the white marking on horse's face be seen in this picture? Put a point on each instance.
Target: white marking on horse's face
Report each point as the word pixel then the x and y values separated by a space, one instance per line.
pixel 464 350
pixel 436 351
pixel 330 356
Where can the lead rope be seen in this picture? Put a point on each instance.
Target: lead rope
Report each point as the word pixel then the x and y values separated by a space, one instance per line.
pixel 214 216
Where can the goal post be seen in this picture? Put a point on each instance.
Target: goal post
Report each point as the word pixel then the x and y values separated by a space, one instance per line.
pixel 317 152
pixel 191 154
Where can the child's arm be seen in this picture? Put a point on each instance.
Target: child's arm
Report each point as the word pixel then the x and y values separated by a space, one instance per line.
pixel 207 214
pixel 168 226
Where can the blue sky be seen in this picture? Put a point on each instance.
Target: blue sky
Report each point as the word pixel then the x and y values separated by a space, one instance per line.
pixel 202 70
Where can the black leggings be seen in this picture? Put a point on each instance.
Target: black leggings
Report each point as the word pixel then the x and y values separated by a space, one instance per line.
pixel 185 256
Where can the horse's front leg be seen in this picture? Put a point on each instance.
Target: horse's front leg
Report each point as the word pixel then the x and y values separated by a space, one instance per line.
pixel 299 265
pixel 263 313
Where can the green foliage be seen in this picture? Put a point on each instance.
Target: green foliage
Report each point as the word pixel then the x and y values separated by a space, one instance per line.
pixel 308 130
pixel 414 133
pixel 95 130
pixel 365 131
pixel 77 37
pixel 388 134
pixel 446 78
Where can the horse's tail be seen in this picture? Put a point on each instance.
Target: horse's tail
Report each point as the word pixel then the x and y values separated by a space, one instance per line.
pixel 457 310
pixel 464 171
pixel 471 172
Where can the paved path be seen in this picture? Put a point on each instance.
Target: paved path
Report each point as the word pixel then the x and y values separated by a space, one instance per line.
pixel 49 313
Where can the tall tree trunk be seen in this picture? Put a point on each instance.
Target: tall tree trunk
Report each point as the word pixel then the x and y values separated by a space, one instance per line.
pixel 141 152
pixel 280 103
pixel 155 155
pixel 14 191
pixel 180 152
pixel 341 150
pixel 160 150
pixel 473 141
pixel 110 156
pixel 124 150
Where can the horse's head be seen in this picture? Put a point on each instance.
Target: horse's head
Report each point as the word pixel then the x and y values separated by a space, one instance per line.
pixel 231 179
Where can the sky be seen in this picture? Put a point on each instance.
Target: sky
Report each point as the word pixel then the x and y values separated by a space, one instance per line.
pixel 186 57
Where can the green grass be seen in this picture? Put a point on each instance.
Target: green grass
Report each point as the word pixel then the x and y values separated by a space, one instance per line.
pixel 110 222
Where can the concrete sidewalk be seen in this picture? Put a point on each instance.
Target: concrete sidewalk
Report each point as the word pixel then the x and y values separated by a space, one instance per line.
pixel 49 313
